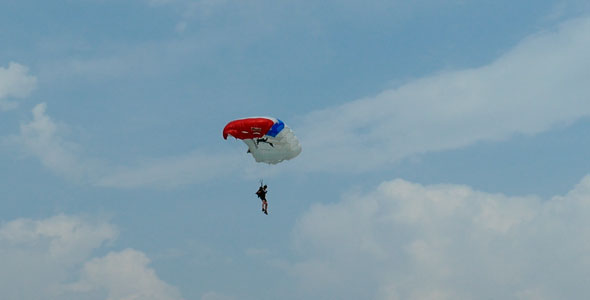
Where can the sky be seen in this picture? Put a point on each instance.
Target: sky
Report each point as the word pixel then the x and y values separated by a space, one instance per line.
pixel 445 150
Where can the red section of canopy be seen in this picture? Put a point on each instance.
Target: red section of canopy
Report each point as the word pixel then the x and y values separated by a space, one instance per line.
pixel 247 128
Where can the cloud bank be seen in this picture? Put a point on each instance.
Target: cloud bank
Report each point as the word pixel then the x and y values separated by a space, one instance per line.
pixel 15 83
pixel 40 258
pixel 542 82
pixel 409 241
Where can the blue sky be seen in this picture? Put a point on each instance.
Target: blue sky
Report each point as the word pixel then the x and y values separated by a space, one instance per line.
pixel 445 150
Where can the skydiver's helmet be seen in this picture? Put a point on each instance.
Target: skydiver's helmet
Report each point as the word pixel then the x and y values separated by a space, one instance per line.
pixel 264 186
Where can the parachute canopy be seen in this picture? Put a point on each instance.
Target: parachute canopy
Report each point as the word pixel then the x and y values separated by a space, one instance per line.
pixel 269 140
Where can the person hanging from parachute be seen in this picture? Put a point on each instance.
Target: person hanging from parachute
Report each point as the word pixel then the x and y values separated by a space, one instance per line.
pixel 263 140
pixel 261 193
pixel 269 140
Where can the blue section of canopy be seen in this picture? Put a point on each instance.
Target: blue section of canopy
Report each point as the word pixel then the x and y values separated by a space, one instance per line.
pixel 276 128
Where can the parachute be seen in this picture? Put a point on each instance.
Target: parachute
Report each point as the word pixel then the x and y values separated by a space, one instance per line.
pixel 269 140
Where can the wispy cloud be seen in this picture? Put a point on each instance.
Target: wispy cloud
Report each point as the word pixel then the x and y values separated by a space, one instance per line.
pixel 410 241
pixel 542 82
pixel 15 82
pixel 172 171
pixel 191 9
pixel 216 296
pixel 45 139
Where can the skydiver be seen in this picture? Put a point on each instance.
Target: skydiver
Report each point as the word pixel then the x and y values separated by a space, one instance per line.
pixel 264 140
pixel 261 193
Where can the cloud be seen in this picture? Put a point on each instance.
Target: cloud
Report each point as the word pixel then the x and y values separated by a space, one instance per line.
pixel 542 82
pixel 37 256
pixel 197 166
pixel 41 258
pixel 44 139
pixel 15 83
pixel 410 241
pixel 65 237
pixel 216 296
pixel 192 9
pixel 124 275
pixel 160 2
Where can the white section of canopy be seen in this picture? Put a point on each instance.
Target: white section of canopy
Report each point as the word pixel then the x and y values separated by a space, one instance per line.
pixel 273 150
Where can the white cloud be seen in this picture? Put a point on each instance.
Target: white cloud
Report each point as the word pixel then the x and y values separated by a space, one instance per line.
pixel 41 258
pixel 124 275
pixel 15 82
pixel 542 82
pixel 409 241
pixel 65 237
pixel 37 256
